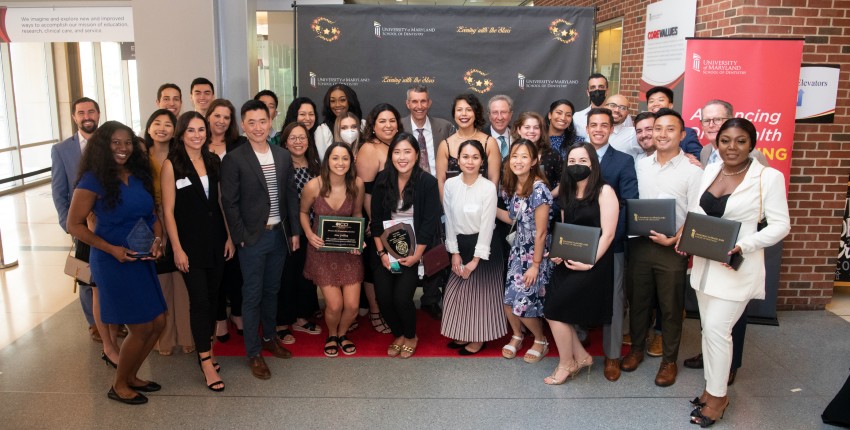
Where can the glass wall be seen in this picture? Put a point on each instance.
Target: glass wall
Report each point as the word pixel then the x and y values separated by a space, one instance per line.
pixel 609 48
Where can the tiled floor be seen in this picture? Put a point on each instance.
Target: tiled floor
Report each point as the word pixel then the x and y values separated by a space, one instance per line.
pixel 51 375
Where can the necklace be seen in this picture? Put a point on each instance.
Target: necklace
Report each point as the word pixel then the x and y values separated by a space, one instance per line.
pixel 466 137
pixel 723 171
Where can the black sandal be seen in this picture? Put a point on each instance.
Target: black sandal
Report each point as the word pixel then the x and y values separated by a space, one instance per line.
pixel 331 350
pixel 217 386
pixel 347 349
pixel 378 323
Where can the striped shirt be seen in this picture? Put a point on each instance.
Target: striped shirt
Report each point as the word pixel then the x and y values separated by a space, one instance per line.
pixel 267 164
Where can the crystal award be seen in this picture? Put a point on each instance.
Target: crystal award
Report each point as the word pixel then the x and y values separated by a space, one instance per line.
pixel 140 240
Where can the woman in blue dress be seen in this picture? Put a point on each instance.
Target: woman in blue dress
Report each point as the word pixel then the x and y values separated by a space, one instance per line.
pixel 529 204
pixel 116 184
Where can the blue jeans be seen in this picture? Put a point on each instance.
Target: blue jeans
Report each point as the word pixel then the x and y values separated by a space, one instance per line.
pixel 262 265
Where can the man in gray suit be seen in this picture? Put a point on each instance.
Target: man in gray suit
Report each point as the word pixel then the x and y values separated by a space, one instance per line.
pixel 712 116
pixel 259 200
pixel 429 133
pixel 65 157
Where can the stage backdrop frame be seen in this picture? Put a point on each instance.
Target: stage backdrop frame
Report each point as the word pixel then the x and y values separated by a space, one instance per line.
pixel 534 55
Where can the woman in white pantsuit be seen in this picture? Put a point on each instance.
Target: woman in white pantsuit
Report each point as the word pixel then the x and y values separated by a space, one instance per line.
pixel 745 191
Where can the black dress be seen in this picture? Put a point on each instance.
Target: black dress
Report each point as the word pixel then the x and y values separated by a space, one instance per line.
pixel 576 297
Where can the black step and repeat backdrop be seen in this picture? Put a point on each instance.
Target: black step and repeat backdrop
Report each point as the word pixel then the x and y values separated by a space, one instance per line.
pixel 533 54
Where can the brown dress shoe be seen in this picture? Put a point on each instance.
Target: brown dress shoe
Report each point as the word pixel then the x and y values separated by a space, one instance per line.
pixel 666 374
pixel 612 369
pixel 694 362
pixel 656 347
pixel 259 368
pixel 274 346
pixel 631 361
pixel 95 335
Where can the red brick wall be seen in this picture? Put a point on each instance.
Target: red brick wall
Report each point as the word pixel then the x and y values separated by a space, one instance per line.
pixel 820 162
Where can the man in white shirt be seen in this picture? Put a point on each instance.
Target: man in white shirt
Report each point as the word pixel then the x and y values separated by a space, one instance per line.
pixel 432 130
pixel 500 110
pixel 655 269
pixel 623 137
pixel 644 123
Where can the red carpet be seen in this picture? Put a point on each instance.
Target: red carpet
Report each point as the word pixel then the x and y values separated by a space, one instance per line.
pixel 373 344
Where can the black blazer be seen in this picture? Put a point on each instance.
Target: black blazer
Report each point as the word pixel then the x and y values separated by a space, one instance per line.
pixel 245 196
pixel 200 224
pixel 426 209
pixel 618 171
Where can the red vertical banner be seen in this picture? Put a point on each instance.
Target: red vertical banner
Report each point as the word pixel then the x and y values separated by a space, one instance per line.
pixel 759 77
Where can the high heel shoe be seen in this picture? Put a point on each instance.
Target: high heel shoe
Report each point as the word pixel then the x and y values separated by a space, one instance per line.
pixel 509 350
pixel 226 336
pixel 378 323
pixel 551 380
pixel 217 386
pixel 704 421
pixel 588 363
pixel 533 356
pixel 106 359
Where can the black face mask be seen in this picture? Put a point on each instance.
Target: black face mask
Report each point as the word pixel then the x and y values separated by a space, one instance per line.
pixel 578 172
pixel 597 97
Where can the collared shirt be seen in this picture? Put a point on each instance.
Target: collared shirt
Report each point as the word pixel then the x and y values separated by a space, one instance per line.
pixel 624 139
pixel 641 156
pixel 601 152
pixel 470 209
pixel 83 141
pixel 429 142
pixel 506 135
pixel 676 179
pixel 580 122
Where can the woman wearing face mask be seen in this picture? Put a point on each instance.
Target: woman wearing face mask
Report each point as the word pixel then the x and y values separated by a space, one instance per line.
pixel 472 313
pixel 347 129
pixel 582 293
pixel 561 130
pixel 224 137
pixel 339 99
pixel 297 301
pixel 336 192
pixel 159 141
pixel 382 126
pixel 403 191
pixel 529 206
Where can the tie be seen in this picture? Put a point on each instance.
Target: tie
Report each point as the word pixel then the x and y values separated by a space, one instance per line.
pixel 503 146
pixel 713 157
pixel 423 151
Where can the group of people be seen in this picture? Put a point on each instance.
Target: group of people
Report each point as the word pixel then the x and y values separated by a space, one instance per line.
pixel 235 217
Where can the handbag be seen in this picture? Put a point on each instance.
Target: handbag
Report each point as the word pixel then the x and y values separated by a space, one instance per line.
pixel 511 237
pixel 762 218
pixel 77 268
pixel 435 259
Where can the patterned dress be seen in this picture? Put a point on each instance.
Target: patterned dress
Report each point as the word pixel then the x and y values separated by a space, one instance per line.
pixel 327 267
pixel 527 302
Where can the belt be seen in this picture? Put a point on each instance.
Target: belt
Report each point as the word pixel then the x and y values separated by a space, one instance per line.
pixel 272 226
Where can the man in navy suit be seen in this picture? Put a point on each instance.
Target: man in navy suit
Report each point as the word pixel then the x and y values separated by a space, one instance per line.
pixel 618 170
pixel 65 157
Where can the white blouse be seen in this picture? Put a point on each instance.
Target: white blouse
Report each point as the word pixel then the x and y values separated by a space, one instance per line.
pixel 470 209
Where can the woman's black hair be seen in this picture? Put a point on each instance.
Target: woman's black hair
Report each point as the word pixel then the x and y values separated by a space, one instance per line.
pixel 180 158
pixel 328 116
pixel 156 114
pixel 389 178
pixel 475 104
pixel 476 144
pixel 743 124
pixel 100 161
pixel 369 130
pixel 292 113
pixel 312 154
pixel 568 199
pixel 570 132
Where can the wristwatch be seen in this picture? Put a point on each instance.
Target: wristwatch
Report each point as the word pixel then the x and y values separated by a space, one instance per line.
pixel 381 252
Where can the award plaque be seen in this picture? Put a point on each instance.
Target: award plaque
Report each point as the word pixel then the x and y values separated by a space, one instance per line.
pixel 399 240
pixel 658 215
pixel 709 237
pixel 340 233
pixel 140 239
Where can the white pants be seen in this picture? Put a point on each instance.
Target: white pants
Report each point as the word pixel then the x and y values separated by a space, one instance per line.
pixel 717 317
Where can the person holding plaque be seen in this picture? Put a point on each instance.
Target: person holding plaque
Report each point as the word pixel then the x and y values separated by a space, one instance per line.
pixel 382 126
pixel 742 190
pixel 656 271
pixel 195 224
pixel 337 192
pixel 529 209
pixel 115 183
pixel 408 196
pixel 581 293
pixel 472 314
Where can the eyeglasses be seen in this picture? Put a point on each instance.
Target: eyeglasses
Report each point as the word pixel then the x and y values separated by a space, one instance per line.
pixel 613 106
pixel 714 121
pixel 294 139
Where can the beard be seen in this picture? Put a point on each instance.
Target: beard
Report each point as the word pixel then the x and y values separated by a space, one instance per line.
pixel 88 127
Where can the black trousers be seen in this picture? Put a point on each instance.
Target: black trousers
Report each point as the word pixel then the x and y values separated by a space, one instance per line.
pixel 394 292
pixel 297 297
pixel 203 286
pixel 231 290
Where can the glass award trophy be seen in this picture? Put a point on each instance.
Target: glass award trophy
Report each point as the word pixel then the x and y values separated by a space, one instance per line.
pixel 140 240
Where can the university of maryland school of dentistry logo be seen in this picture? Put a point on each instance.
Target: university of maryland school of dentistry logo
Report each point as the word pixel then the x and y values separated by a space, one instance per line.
pixel 563 31
pixel 325 29
pixel 477 81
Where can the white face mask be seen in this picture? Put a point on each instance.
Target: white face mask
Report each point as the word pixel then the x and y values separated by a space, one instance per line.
pixel 349 136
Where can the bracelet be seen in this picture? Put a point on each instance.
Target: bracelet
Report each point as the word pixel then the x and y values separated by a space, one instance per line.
pixel 157 238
